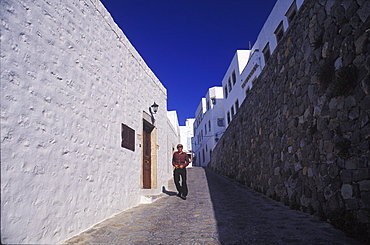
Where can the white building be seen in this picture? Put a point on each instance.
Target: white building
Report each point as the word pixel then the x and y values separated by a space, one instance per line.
pixel 275 27
pixel 174 122
pixel 231 84
pixel 186 134
pixel 209 125
pixel 79 139
pixel 246 65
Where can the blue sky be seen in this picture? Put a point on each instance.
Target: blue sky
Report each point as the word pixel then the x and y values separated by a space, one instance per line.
pixel 189 44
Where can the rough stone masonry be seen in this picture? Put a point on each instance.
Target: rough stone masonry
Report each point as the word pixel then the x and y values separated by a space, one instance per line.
pixel 302 134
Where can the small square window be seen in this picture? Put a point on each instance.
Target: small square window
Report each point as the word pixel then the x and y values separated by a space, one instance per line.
pixel 213 101
pixel 128 137
pixel 220 122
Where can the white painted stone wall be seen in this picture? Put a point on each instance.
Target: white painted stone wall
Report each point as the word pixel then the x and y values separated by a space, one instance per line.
pixel 69 78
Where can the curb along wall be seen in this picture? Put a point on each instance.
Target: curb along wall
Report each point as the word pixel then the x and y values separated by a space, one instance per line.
pixel 69 79
pixel 302 134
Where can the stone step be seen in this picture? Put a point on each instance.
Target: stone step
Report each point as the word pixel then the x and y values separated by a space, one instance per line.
pixel 146 199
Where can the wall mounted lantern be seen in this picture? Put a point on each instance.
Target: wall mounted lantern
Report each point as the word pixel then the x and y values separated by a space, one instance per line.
pixel 154 108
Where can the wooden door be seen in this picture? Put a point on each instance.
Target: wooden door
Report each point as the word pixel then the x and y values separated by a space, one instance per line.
pixel 147 165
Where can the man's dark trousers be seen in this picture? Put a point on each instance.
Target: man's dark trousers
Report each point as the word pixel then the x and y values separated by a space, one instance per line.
pixel 183 188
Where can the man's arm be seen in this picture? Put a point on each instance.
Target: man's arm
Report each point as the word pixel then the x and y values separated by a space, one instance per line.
pixel 187 160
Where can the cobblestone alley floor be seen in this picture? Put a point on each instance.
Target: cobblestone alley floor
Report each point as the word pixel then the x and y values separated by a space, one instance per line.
pixel 217 211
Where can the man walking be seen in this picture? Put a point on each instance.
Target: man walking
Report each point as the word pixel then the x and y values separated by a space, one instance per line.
pixel 180 160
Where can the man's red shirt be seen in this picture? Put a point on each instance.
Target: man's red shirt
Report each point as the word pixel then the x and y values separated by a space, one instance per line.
pixel 180 159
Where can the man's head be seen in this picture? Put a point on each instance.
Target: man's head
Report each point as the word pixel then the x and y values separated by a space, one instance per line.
pixel 179 147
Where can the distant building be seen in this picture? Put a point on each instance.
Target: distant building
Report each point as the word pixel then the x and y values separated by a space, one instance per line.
pixel 173 124
pixel 209 125
pixel 186 133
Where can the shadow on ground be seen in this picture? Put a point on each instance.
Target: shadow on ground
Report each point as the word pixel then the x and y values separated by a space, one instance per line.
pixel 232 211
pixel 245 216
pixel 170 193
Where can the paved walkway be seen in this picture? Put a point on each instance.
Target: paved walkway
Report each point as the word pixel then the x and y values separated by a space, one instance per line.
pixel 217 211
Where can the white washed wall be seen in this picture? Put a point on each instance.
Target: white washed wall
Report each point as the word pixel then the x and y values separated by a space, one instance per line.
pixel 69 78
pixel 277 15
pixel 207 137
pixel 186 133
pixel 237 64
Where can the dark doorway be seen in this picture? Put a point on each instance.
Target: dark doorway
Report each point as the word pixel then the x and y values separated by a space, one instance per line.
pixel 147 163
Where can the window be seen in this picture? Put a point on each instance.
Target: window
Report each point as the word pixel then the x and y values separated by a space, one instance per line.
pixel 229 83
pixel 234 77
pixel 128 137
pixel 237 105
pixel 232 111
pixel 266 52
pixel 213 101
pixel 292 12
pixel 246 92
pixel 228 117
pixel 226 92
pixel 254 80
pixel 205 128
pixel 279 32
pixel 220 122
pixel 209 125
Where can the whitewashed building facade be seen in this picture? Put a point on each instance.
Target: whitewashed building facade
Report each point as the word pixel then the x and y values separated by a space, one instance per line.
pixel 246 65
pixel 186 134
pixel 231 84
pixel 80 141
pixel 209 125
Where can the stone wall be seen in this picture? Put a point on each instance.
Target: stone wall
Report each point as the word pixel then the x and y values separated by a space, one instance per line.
pixel 302 134
pixel 69 79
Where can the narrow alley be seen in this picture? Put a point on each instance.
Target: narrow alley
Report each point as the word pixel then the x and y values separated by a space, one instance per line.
pixel 217 211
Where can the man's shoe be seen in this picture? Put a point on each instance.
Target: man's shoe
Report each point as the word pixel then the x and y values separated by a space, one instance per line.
pixel 183 197
pixel 179 194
